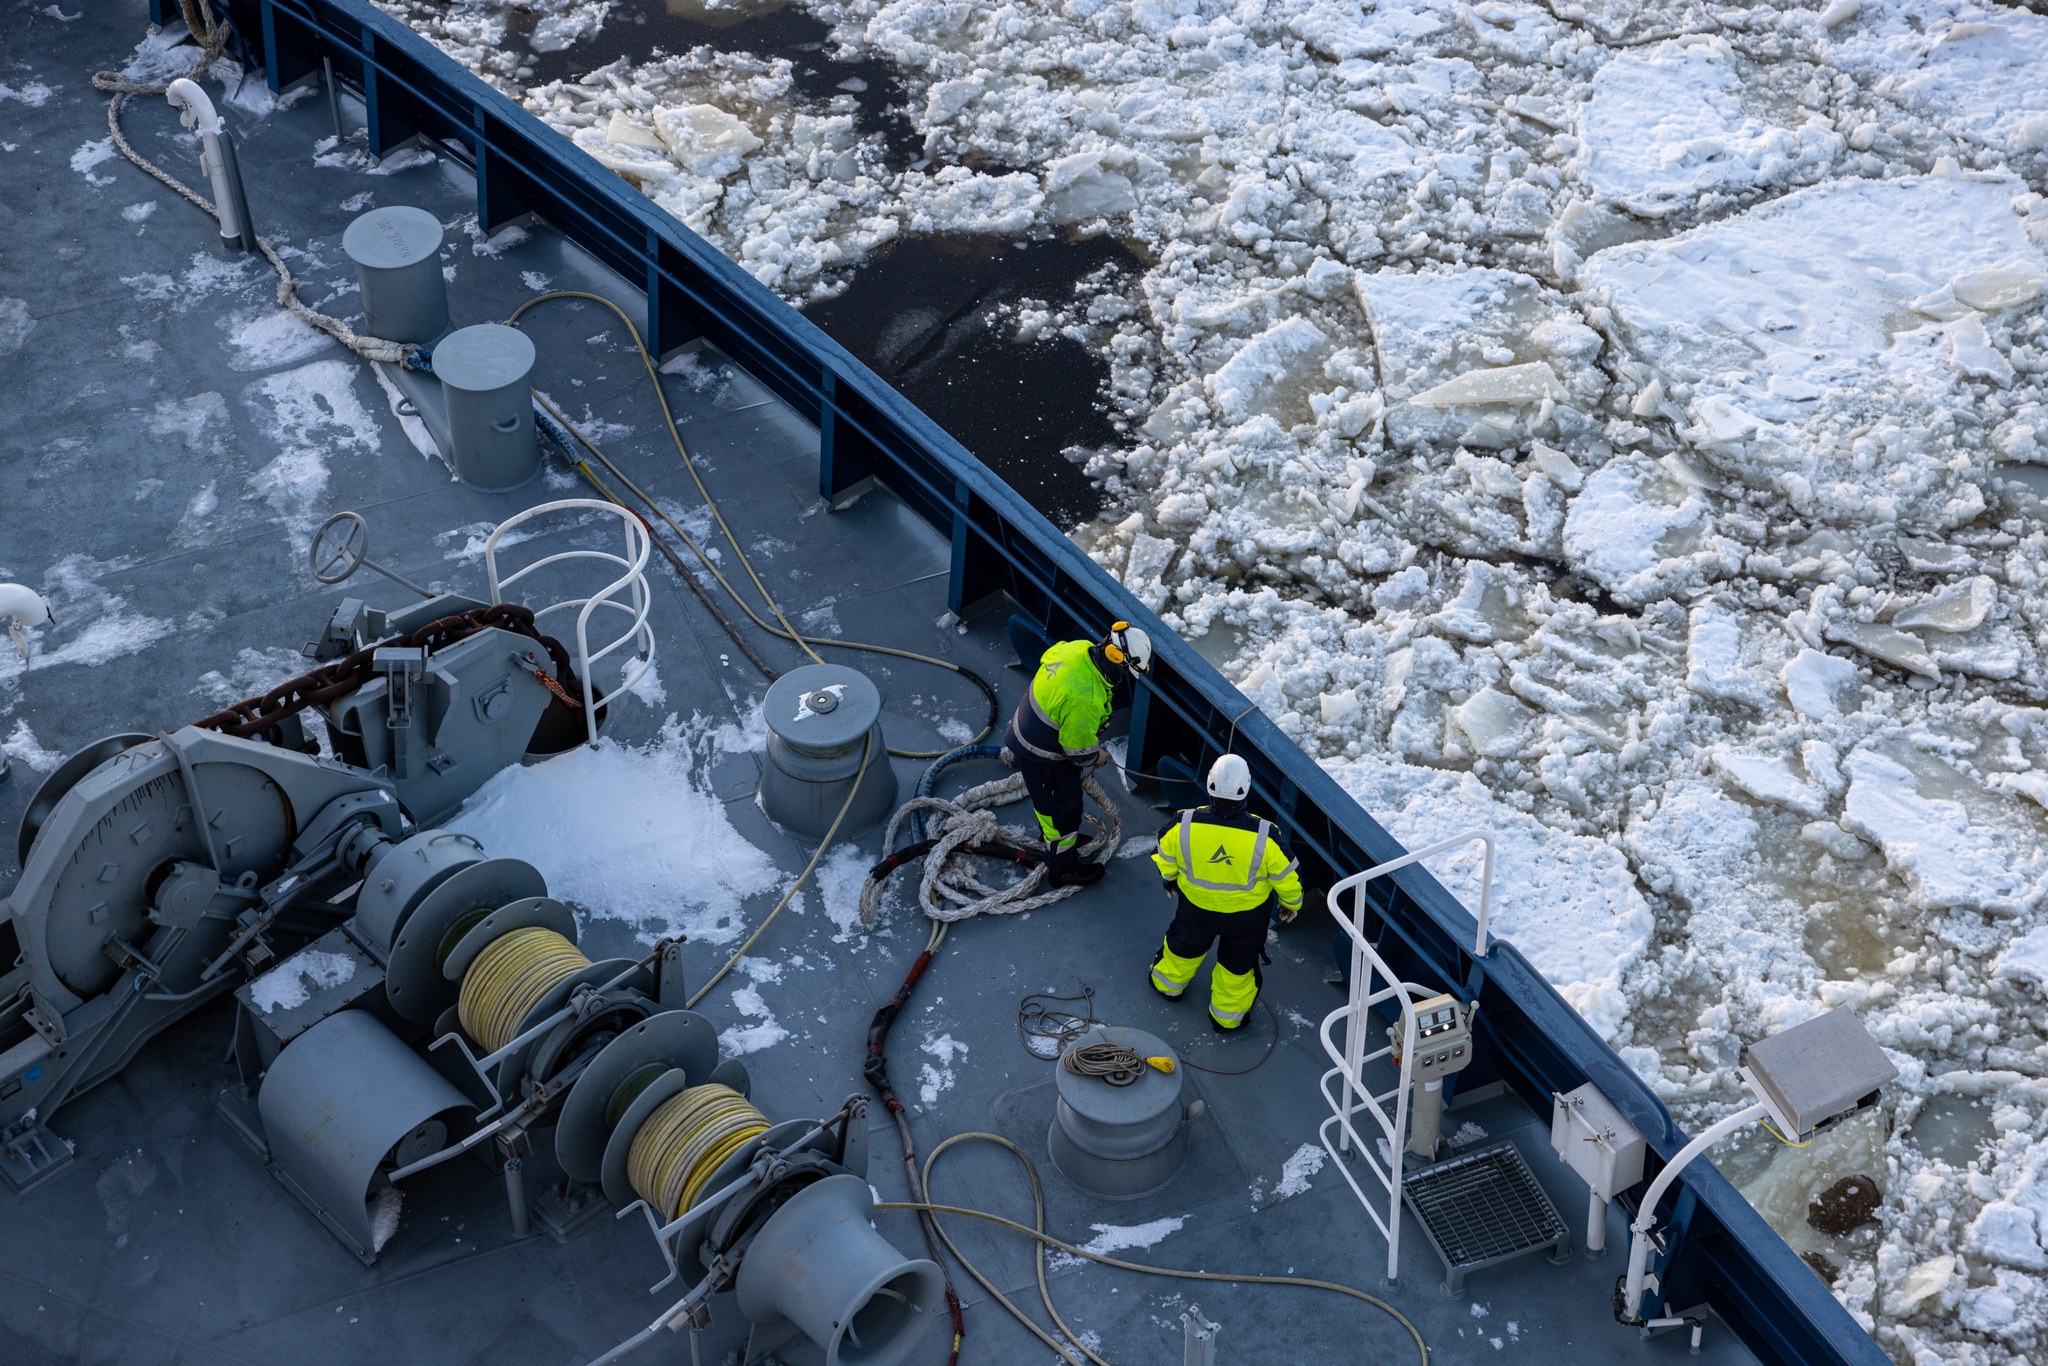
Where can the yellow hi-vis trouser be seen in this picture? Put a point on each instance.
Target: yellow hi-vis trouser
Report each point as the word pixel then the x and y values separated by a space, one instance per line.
pixel 1240 938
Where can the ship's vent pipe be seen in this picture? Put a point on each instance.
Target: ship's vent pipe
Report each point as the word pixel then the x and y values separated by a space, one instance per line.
pixel 217 158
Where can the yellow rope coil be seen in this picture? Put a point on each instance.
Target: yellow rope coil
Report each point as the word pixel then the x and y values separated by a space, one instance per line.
pixel 682 1143
pixel 508 979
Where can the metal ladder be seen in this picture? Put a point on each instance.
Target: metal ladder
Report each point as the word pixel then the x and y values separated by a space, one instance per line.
pixel 632 583
pixel 1374 982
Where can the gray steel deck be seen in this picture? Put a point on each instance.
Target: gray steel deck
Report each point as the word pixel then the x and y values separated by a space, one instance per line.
pixel 165 1241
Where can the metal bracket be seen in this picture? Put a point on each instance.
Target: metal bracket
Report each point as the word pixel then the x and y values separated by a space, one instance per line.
pixel 402 667
pixel 669 988
pixel 1198 1337
pixel 44 1018
pixel 853 1135
pixel 345 630
pixel 29 1153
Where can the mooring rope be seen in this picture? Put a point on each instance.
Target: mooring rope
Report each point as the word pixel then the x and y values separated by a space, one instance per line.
pixel 681 1145
pixel 949 889
pixel 509 978
pixel 213 38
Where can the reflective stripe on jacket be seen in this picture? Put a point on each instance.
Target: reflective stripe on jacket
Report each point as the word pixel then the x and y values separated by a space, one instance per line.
pixel 1227 861
pixel 1062 713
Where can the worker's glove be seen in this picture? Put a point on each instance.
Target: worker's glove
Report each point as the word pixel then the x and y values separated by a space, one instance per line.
pixel 1101 758
pixel 1287 914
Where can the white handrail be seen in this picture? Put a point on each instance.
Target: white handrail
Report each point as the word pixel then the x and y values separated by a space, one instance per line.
pixel 1351 1058
pixel 639 546
pixel 1380 870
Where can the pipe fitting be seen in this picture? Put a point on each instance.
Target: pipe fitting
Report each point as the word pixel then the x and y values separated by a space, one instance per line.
pixel 197 113
pixel 23 607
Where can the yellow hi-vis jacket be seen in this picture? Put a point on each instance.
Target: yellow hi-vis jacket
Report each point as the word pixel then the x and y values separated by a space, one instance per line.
pixel 1061 715
pixel 1227 861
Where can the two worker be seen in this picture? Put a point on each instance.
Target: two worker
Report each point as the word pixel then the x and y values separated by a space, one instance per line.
pixel 1224 866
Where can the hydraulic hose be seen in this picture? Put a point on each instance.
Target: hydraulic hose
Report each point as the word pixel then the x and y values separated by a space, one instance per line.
pixel 782 628
pixel 1037 1231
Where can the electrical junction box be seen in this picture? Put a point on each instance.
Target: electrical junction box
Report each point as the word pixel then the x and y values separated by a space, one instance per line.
pixel 1596 1142
pixel 1815 1073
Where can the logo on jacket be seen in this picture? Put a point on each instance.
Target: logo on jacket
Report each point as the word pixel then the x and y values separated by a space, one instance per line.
pixel 1221 856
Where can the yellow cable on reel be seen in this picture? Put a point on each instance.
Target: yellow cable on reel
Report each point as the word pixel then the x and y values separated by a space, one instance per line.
pixel 681 1145
pixel 509 978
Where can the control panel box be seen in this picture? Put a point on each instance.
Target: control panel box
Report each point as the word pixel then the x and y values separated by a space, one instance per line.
pixel 1443 1038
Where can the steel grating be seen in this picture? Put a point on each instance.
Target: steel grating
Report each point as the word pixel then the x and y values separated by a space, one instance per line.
pixel 1483 1208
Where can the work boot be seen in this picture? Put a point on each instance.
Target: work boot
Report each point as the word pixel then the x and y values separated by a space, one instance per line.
pixel 1077 875
pixel 1216 1026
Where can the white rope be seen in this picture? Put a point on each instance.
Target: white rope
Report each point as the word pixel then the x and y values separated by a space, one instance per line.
pixel 949 889
pixel 214 38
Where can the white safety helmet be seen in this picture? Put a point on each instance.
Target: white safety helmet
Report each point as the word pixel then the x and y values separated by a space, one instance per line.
pixel 1230 778
pixel 1129 646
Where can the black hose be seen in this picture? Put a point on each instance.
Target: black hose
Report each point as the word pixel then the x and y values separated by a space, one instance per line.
pixel 876 1073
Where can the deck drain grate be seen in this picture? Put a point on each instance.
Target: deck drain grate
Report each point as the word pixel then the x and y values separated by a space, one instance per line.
pixel 1483 1208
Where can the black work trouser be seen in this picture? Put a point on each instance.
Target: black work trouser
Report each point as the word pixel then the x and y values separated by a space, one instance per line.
pixel 1235 981
pixel 1242 934
pixel 1055 788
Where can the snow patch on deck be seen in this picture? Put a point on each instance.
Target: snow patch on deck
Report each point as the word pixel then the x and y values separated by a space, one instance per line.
pixel 628 833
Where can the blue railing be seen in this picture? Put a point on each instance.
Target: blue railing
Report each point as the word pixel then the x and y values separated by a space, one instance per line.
pixel 1723 1252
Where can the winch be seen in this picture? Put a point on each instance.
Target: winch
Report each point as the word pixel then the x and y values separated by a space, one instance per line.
pixel 825 752
pixel 405 997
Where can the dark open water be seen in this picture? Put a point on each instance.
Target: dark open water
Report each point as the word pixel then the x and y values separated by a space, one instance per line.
pixel 931 315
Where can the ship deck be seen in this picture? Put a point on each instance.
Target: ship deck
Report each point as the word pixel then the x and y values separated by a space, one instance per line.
pixel 159 478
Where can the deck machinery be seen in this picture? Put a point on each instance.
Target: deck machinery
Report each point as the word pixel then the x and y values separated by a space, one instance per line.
pixel 406 999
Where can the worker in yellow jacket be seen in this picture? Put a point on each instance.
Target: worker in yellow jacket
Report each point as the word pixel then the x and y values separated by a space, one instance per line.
pixel 1226 867
pixel 1056 736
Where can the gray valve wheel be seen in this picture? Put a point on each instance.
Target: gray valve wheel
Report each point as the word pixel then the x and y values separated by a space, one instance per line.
pixel 334 558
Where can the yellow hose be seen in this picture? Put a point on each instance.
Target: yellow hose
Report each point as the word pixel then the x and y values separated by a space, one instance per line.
pixel 509 978
pixel 681 1145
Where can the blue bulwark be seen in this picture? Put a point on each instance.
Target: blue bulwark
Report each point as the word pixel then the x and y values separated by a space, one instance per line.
pixel 1723 1252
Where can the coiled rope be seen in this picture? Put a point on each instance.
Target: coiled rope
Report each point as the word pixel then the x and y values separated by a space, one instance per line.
pixel 949 888
pixel 684 1141
pixel 1113 1062
pixel 509 978
pixel 213 38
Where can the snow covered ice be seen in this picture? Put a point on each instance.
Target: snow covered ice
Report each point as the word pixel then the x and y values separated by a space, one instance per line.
pixel 1621 426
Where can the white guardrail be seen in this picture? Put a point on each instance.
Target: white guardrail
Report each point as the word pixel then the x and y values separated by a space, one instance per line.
pixel 1373 982
pixel 632 582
